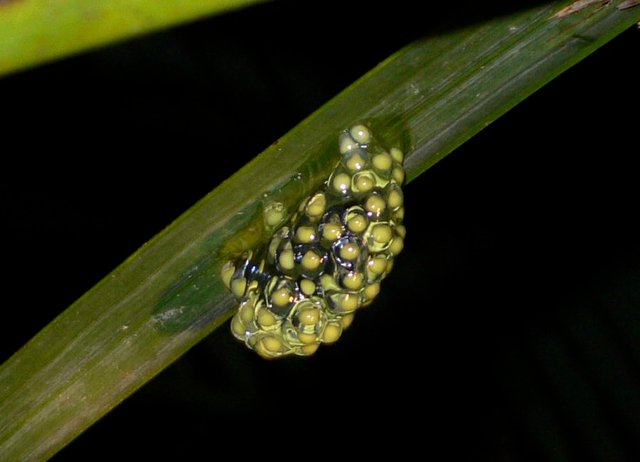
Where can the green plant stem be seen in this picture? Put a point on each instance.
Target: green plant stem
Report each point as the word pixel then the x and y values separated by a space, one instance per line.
pixel 434 95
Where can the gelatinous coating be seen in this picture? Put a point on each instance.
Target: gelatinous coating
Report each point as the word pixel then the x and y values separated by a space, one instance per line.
pixel 304 286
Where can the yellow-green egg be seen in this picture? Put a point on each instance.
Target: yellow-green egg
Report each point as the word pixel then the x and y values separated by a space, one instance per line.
pixel 395 199
pixel 349 302
pixel 331 231
pixel 347 144
pixel 401 231
pixel 281 297
pixel 363 182
pixel 372 290
pixel 274 214
pixel 389 265
pixel 311 260
pixel 382 161
pixel 375 205
pixel 353 280
pixel 355 162
pixel 331 333
pixel 341 183
pixel 266 318
pixel 316 206
pixel 346 320
pixel 286 260
pixel 309 316
pixel 272 343
pixel 238 329
pixel 382 233
pixel 262 351
pixel 397 155
pixel 397 245
pixel 357 223
pixel 307 338
pixel 238 287
pixel 308 350
pixel 226 273
pixel 246 311
pixel 377 264
pixel 308 287
pixel 361 134
pixel 399 214
pixel 349 251
pixel 398 175
pixel 306 234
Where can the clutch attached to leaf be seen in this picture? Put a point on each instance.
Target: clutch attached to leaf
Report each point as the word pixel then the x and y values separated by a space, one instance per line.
pixel 304 287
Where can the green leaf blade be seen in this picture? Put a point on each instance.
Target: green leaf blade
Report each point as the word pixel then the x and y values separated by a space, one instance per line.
pixel 37 31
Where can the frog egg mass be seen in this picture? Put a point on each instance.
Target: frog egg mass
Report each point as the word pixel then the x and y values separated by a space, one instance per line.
pixel 305 285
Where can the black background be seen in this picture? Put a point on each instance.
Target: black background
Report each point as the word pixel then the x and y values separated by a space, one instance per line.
pixel 509 329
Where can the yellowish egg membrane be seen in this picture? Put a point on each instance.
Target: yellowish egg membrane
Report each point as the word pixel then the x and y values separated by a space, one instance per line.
pixel 306 234
pixel 308 350
pixel 331 333
pixel 375 205
pixel 274 217
pixel 355 163
pixel 372 290
pixel 347 144
pixel 397 155
pixel 382 233
pixel 286 260
pixel 349 302
pixel 364 182
pixel 237 327
pixel 398 175
pixel 281 297
pixel 397 245
pixel 272 343
pixel 307 286
pixel 309 316
pixel 389 266
pixel 263 352
pixel 357 223
pixel 311 260
pixel 238 286
pixel 346 320
pixel 316 205
pixel 353 280
pixel 331 231
pixel 382 161
pixel 246 312
pixel 377 264
pixel 308 338
pixel 349 251
pixel 341 182
pixel 254 285
pixel 226 273
pixel 360 133
pixel 395 199
pixel 266 318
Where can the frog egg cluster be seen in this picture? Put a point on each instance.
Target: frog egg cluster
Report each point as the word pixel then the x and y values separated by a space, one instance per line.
pixel 304 287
